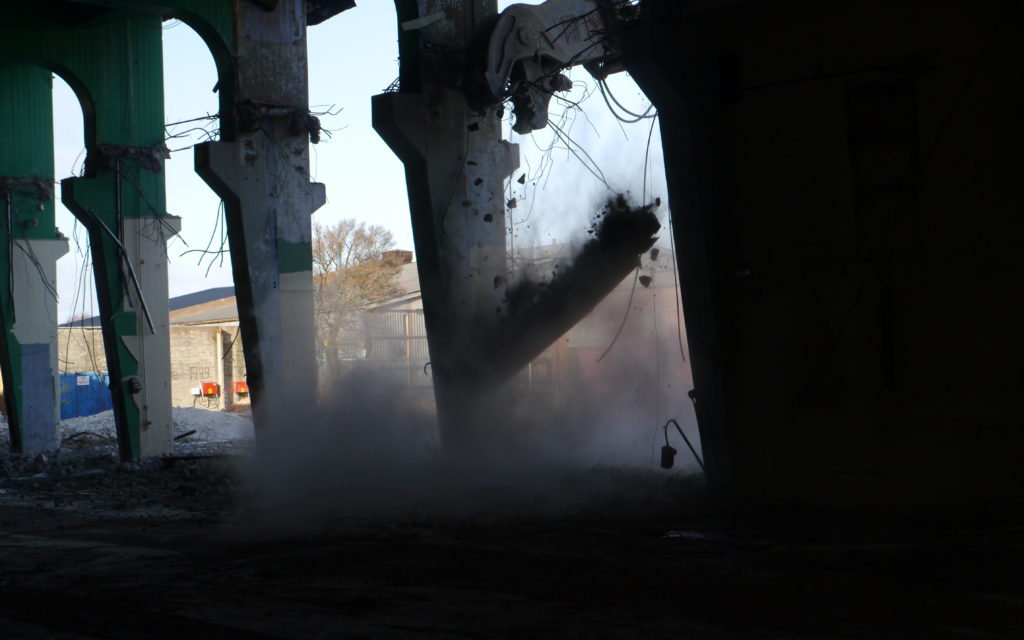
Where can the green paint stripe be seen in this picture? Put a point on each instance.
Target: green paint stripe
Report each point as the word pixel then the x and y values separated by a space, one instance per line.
pixel 294 257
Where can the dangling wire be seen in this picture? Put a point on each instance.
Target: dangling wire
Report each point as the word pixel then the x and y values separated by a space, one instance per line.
pixel 678 291
pixel 629 305
pixel 672 421
pixel 606 93
pixel 647 158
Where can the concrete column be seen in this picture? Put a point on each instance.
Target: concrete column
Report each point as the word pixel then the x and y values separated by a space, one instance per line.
pixel 130 263
pixel 691 142
pixel 456 163
pixel 145 240
pixel 263 178
pixel 35 329
pixel 29 249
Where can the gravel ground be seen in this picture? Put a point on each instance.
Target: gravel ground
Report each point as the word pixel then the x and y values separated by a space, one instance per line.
pixel 209 426
pixel 90 442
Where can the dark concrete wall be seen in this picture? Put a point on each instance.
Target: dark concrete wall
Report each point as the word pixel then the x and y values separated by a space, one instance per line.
pixel 845 183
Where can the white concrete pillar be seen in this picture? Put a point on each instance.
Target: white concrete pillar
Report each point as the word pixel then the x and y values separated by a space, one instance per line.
pixel 34 263
pixel 145 240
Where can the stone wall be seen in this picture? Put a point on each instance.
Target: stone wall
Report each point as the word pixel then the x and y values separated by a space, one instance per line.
pixel 193 360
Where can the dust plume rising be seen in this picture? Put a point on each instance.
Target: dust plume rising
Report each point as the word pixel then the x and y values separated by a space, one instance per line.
pixel 576 430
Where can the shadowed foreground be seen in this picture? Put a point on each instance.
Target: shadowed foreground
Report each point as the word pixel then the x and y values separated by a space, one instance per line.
pixel 168 551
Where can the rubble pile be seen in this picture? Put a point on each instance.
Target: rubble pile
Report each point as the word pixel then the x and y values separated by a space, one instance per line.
pixel 198 480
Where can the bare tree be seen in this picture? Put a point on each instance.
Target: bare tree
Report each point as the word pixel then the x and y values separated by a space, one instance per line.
pixel 350 272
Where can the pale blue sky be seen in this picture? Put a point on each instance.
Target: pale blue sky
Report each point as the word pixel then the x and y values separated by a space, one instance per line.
pixel 352 57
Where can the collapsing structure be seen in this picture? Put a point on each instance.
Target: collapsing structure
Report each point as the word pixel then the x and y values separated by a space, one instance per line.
pixel 444 122
pixel 847 252
pixel 847 247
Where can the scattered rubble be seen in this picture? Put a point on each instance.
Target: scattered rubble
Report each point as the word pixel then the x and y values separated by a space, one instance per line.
pixel 89 445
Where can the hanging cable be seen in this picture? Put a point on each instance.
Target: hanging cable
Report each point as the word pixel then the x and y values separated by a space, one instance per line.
pixel 594 170
pixel 678 291
pixel 606 93
pixel 668 454
pixel 131 270
pixel 629 305
pixel 647 159
pixel 603 84
pixel 26 247
pixel 657 356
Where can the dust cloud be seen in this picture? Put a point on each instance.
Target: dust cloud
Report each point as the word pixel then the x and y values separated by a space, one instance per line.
pixel 367 457
pixel 577 432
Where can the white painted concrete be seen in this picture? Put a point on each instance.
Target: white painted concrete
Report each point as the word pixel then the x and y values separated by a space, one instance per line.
pixel 145 240
pixel 35 328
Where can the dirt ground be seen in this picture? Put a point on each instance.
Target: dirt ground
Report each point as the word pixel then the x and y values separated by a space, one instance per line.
pixel 176 548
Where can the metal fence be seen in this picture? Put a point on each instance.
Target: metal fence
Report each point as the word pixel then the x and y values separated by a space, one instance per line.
pixel 396 341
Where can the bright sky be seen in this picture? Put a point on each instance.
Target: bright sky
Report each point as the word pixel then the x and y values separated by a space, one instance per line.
pixel 351 58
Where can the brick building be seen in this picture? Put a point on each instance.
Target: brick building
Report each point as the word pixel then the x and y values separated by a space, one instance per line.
pixel 205 348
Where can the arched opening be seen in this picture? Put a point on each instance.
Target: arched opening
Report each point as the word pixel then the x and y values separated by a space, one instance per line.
pixel 177 39
pixel 366 180
pixel 624 370
pixel 82 343
pixel 81 359
pixel 205 341
pixel 365 186
pixel 199 258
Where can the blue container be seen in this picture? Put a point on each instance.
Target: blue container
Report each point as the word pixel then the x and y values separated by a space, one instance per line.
pixel 84 394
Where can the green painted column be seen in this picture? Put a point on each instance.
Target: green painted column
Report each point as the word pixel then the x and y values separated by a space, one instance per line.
pixel 113 61
pixel 29 248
